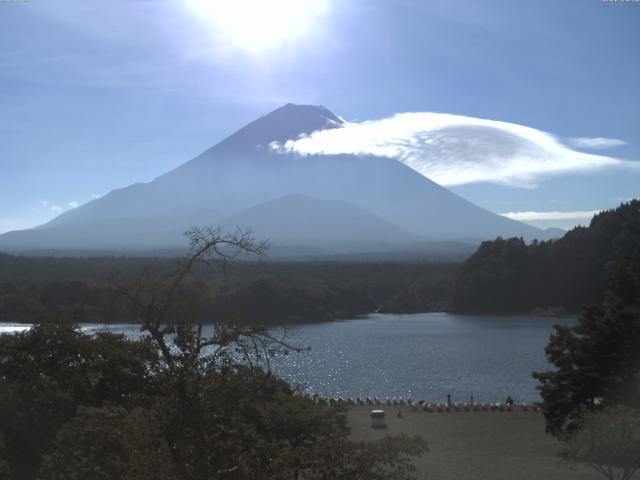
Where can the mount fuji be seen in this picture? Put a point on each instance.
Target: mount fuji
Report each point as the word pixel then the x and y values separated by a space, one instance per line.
pixel 322 203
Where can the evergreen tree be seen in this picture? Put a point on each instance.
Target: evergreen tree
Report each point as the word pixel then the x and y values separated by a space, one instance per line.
pixel 507 275
pixel 597 360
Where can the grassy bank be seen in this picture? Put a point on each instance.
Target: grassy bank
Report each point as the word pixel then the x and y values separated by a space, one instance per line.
pixel 475 445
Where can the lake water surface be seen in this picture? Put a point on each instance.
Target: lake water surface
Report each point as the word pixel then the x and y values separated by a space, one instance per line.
pixel 422 356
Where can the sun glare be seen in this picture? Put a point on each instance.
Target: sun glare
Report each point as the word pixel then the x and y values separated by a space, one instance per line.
pixel 259 25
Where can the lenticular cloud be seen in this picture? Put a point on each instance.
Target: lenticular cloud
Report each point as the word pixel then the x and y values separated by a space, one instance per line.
pixel 456 150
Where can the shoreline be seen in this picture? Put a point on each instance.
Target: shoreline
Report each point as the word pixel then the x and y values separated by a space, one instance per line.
pixel 345 318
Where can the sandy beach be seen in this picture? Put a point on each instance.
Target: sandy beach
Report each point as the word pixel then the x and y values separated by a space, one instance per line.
pixel 475 445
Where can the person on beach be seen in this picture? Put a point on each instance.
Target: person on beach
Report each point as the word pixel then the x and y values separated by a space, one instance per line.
pixel 448 399
pixel 509 400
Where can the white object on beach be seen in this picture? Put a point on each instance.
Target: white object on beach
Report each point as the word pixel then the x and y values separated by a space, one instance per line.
pixel 377 419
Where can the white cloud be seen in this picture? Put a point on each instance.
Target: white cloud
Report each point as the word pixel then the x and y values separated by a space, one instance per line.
pixel 44 203
pixel 56 208
pixel 73 204
pixel 597 143
pixel 456 150
pixel 95 196
pixel 528 216
pixel 564 220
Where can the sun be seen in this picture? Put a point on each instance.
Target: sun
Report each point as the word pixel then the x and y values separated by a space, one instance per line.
pixel 257 26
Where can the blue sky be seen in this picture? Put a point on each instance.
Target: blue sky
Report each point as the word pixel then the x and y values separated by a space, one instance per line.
pixel 98 95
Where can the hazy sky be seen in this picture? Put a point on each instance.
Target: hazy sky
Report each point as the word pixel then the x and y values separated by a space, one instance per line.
pixel 98 95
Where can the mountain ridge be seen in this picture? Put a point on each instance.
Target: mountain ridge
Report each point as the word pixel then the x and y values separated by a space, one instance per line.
pixel 242 172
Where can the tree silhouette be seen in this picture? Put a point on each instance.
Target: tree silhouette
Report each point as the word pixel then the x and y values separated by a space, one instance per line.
pixel 609 442
pixel 598 360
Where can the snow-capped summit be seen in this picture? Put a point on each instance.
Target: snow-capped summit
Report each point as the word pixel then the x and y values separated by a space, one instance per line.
pixel 285 123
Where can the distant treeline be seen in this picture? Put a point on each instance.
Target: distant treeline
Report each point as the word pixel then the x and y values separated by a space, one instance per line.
pixel 32 288
pixel 502 276
pixel 507 275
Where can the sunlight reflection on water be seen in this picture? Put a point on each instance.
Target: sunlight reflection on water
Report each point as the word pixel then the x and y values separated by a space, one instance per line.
pixel 422 356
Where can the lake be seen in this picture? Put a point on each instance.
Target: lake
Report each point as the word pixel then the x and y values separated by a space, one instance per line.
pixel 422 356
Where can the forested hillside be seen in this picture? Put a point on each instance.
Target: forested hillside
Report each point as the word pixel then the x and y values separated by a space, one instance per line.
pixel 503 275
pixel 32 288
pixel 507 275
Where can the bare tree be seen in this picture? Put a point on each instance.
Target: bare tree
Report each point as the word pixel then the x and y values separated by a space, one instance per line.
pixel 609 442
pixel 192 357
pixel 155 298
